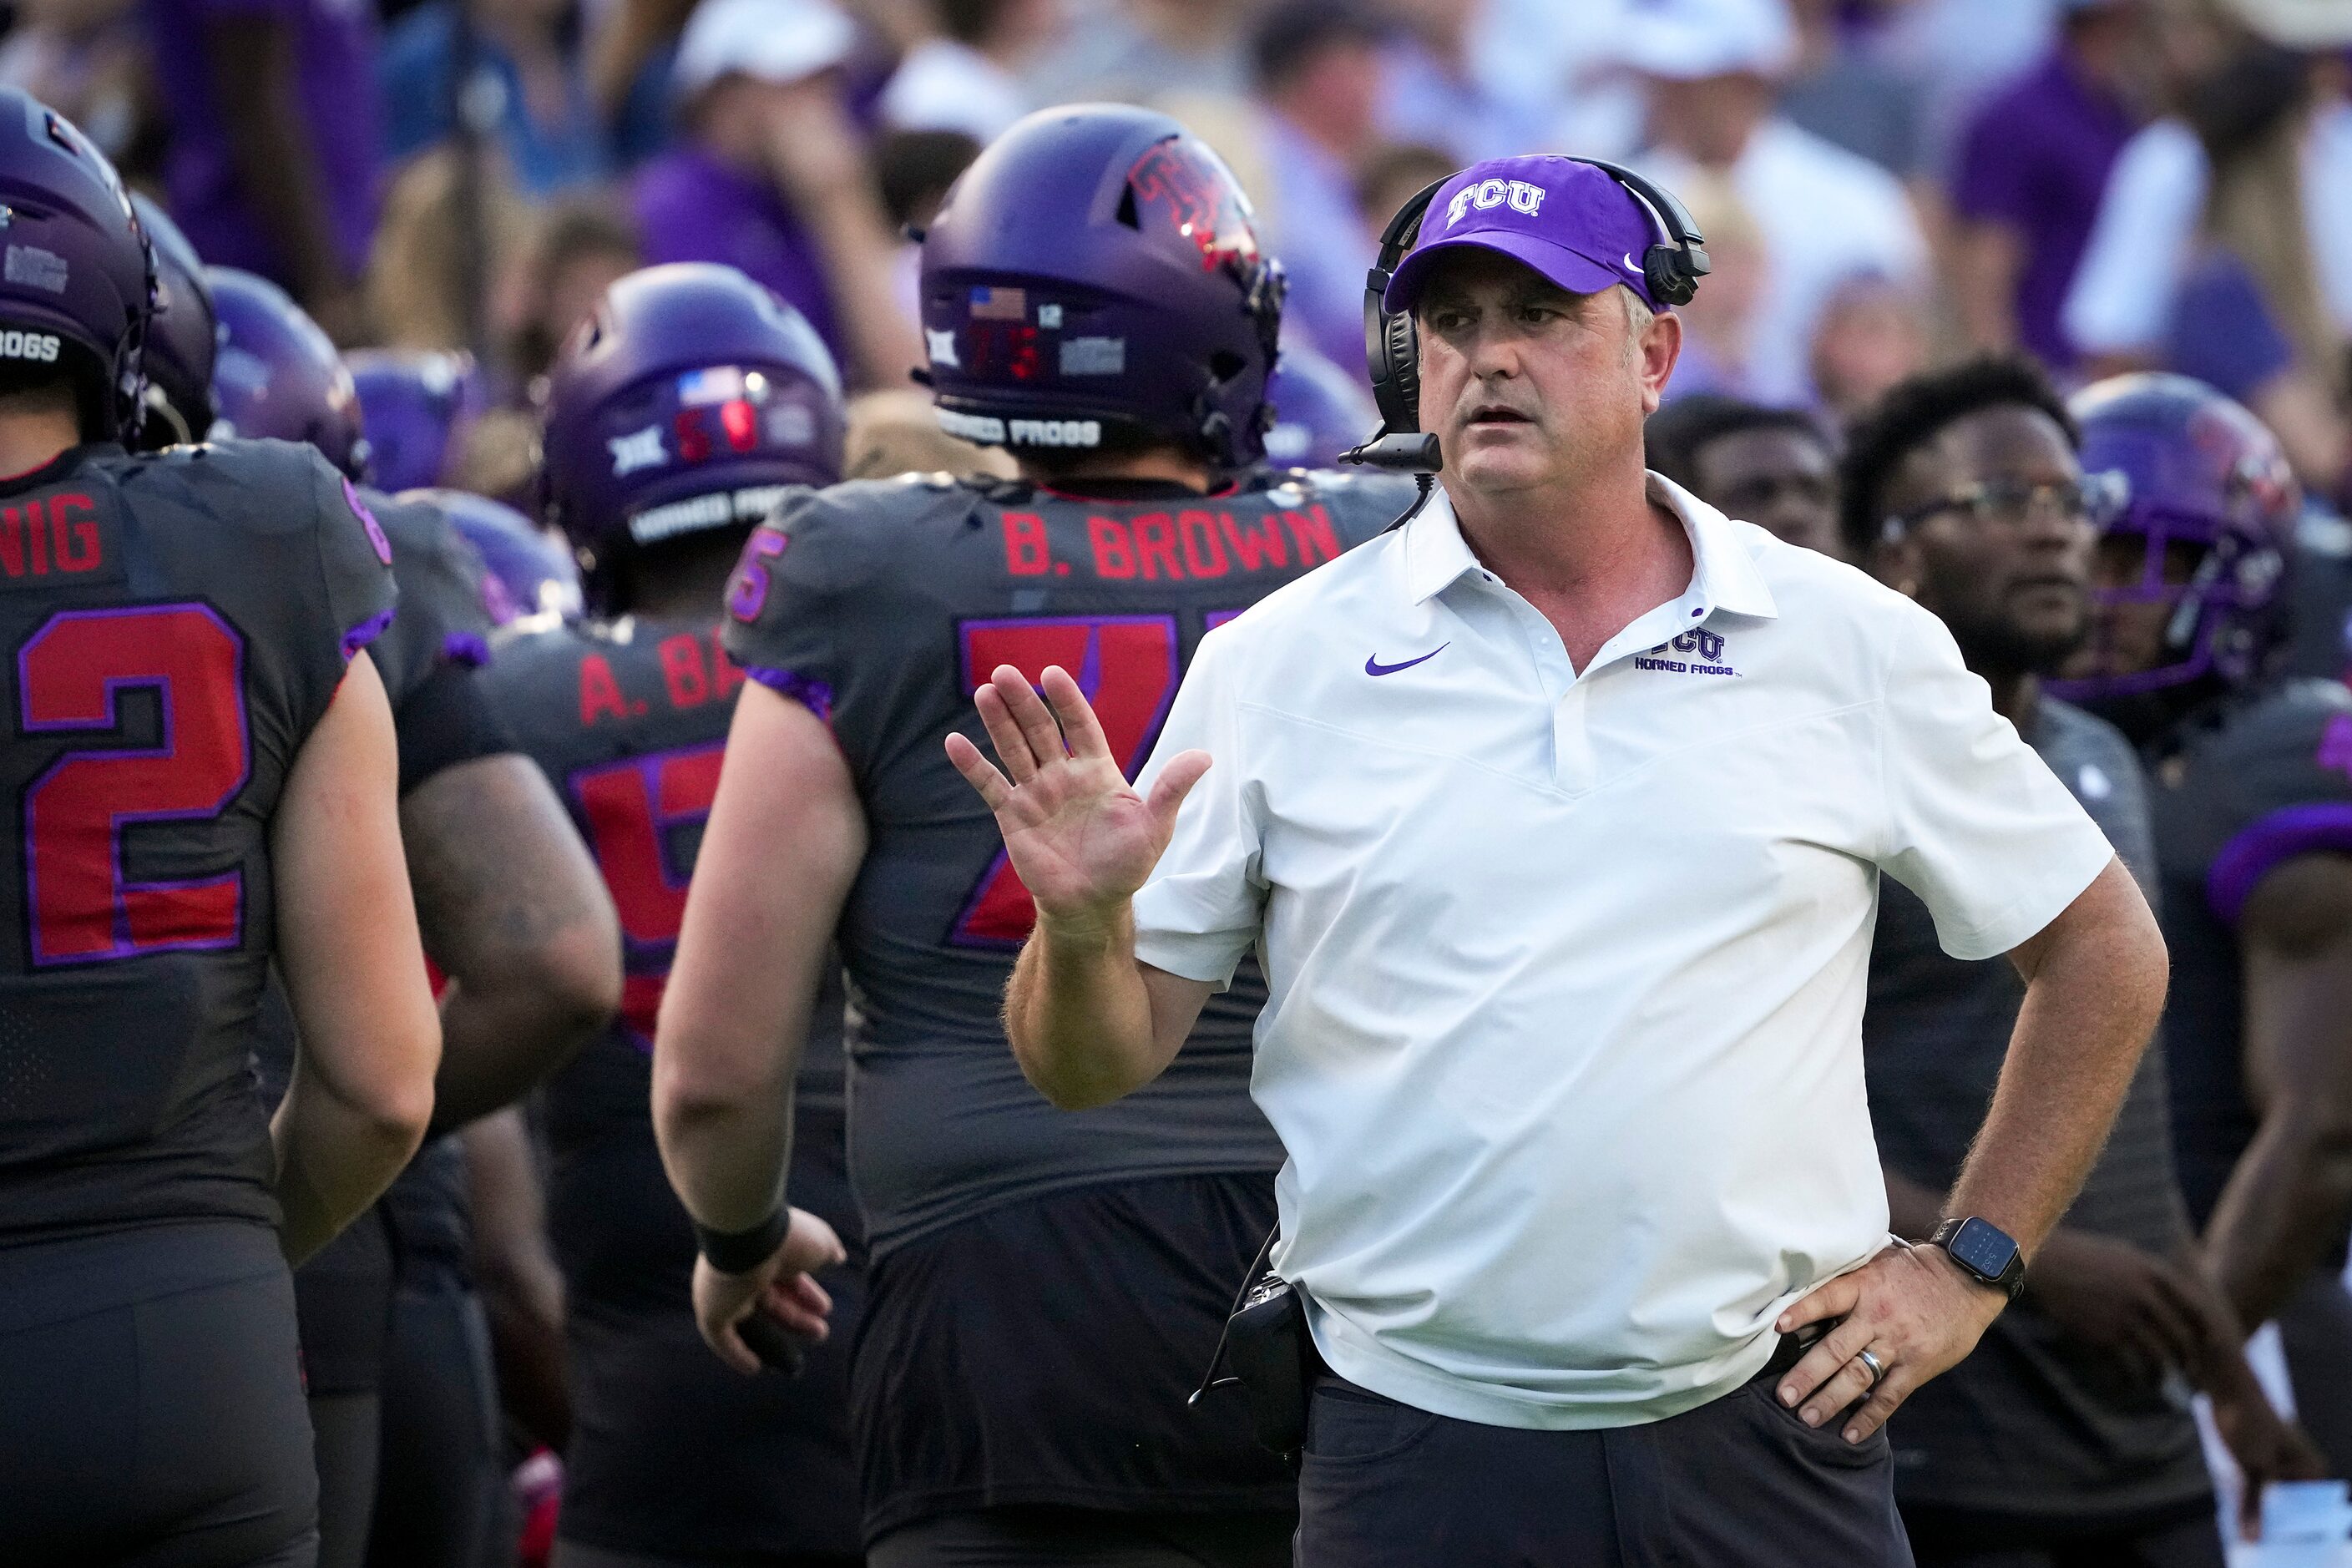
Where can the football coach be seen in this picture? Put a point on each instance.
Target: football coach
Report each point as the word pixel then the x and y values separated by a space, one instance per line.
pixel 1557 817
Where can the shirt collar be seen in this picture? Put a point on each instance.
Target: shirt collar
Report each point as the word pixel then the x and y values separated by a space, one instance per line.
pixel 1726 578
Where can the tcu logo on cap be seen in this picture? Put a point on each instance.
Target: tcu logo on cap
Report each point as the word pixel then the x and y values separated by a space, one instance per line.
pixel 1489 194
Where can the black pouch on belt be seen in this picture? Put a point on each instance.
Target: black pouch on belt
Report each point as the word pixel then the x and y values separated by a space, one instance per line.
pixel 1266 1350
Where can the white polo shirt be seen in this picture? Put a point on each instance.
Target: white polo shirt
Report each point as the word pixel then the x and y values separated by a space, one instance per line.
pixel 1564 1039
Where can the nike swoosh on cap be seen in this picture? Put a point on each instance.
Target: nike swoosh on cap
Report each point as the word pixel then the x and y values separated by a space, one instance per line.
pixel 1372 665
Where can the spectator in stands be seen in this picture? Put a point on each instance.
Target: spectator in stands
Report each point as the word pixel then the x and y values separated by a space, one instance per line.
pixel 2223 248
pixel 576 251
pixel 1772 466
pixel 517 64
pixel 770 177
pixel 1435 90
pixel 272 161
pixel 1872 331
pixel 2033 161
pixel 1825 213
pixel 84 59
pixel 1846 95
pixel 450 227
pixel 1318 80
pixel 1393 176
pixel 966 76
pixel 629 48
pixel 1719 325
pixel 1133 51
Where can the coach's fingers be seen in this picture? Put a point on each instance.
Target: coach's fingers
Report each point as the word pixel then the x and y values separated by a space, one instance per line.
pixel 1004 733
pixel 1830 1299
pixel 1174 783
pixel 1818 1365
pixel 1029 711
pixel 1891 1392
pixel 1080 728
pixel 995 788
pixel 1847 1384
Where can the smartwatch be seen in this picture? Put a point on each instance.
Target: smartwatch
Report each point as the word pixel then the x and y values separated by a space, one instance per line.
pixel 1985 1250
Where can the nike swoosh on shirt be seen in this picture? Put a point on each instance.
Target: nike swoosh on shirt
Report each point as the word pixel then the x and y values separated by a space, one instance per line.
pixel 1372 665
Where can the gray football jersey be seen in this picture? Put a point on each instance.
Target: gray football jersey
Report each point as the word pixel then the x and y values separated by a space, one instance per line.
pixel 881 605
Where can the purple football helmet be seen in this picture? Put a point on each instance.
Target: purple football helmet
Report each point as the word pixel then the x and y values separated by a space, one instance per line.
pixel 78 287
pixel 182 340
pixel 1319 410
pixel 414 407
pixel 2208 476
pixel 278 375
pixel 1098 266
pixel 528 573
pixel 687 401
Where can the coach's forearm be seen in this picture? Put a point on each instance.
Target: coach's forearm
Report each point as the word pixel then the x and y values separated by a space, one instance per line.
pixel 2094 988
pixel 1078 1014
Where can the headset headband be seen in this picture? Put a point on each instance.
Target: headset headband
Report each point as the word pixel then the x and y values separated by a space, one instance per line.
pixel 1671 268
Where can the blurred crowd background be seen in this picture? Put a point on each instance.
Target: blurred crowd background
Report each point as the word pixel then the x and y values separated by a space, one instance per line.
pixel 1884 183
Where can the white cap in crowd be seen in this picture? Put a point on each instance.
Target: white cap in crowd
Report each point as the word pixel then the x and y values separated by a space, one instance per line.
pixel 773 40
pixel 1688 40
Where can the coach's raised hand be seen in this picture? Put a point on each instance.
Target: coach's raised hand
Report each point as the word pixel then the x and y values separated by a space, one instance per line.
pixel 1080 835
pixel 1088 1023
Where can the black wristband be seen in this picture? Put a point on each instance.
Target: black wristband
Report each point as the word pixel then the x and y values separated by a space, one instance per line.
pixel 741 1251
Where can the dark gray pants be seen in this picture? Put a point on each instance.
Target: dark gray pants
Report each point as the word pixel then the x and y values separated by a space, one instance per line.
pixel 1738 1483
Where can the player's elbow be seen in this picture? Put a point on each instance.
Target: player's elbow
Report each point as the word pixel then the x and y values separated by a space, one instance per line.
pixel 702 1082
pixel 573 977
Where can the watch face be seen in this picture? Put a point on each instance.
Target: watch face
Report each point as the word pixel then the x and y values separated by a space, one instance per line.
pixel 1983 1248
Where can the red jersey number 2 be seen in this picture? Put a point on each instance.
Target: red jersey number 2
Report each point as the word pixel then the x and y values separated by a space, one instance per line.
pixel 82 906
pixel 1126 665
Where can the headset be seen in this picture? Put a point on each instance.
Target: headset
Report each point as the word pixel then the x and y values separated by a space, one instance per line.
pixel 1672 268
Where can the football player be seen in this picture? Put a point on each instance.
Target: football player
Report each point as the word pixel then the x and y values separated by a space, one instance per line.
pixel 1044 1289
pixel 202 761
pixel 514 915
pixel 2065 1436
pixel 689 400
pixel 526 572
pixel 2253 810
pixel 416 407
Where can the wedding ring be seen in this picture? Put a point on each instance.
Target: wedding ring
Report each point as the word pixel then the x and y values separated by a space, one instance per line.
pixel 1877 1368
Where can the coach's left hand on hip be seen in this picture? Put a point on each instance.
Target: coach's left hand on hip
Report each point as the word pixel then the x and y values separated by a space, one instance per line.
pixel 1912 1307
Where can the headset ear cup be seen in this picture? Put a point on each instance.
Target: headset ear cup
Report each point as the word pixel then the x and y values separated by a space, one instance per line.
pixel 1668 284
pixel 1404 373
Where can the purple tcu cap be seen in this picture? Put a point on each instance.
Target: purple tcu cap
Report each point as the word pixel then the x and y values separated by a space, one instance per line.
pixel 1569 221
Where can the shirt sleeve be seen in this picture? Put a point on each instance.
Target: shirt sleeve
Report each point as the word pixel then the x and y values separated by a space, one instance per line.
pixel 355 561
pixel 2139 243
pixel 1977 825
pixel 1199 913
pixel 784 610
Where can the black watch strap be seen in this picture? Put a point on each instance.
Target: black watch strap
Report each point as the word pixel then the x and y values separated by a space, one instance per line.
pixel 741 1251
pixel 1988 1253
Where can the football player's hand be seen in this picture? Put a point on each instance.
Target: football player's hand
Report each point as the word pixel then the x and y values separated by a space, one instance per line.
pixel 2146 1310
pixel 780 1288
pixel 1081 837
pixel 2266 1446
pixel 1913 1308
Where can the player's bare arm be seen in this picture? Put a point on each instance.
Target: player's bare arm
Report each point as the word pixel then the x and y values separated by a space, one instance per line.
pixel 513 910
pixel 2290 1189
pixel 2095 981
pixel 347 944
pixel 784 841
pixel 1088 1021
